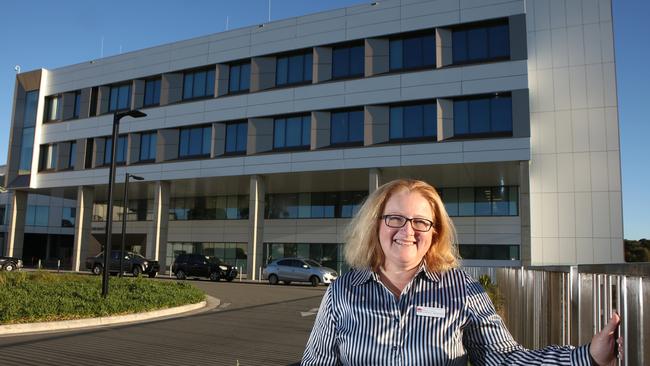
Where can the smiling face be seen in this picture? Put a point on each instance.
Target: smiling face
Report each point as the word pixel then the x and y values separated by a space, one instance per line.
pixel 404 247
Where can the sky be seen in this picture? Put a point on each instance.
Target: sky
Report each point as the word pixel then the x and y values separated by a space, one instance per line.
pixel 49 34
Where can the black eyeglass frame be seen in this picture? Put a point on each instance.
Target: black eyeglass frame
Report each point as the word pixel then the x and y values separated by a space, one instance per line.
pixel 406 219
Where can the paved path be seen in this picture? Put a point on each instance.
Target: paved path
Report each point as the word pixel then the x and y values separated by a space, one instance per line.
pixel 256 324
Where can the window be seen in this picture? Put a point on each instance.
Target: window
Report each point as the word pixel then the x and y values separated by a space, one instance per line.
pixel 120 153
pixel 481 43
pixel 37 215
pixel 240 78
pixel 346 127
pixel 292 132
pixel 416 121
pixel 481 201
pixel 68 216
pixel 232 207
pixel 236 137
pixel 413 52
pixel 348 62
pixel 88 154
pixel 294 69
pixel 48 157
pixel 3 208
pixel 195 142
pixel 139 210
pixel 198 84
pixel 77 104
pixel 148 146
pixel 152 92
pixel 489 252
pixel 54 108
pixel 313 205
pixel 120 98
pixel 483 115
pixel 72 156
pixel 329 255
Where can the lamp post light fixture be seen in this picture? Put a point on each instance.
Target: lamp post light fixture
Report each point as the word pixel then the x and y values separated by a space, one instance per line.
pixel 111 181
pixel 125 212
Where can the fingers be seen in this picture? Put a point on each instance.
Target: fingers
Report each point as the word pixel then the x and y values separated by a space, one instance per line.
pixel 612 323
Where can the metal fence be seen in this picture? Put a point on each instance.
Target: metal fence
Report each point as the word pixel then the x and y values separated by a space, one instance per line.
pixel 568 305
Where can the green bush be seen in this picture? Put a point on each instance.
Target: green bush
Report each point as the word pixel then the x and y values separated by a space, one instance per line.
pixel 43 296
pixel 493 291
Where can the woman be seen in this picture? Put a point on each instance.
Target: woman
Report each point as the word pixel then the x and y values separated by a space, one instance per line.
pixel 406 303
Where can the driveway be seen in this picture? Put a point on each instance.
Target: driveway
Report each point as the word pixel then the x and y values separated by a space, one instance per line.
pixel 255 324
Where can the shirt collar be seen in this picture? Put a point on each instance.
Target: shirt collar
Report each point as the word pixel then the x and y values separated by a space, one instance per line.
pixel 361 276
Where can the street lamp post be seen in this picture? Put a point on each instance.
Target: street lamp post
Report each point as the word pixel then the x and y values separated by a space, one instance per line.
pixel 111 181
pixel 125 211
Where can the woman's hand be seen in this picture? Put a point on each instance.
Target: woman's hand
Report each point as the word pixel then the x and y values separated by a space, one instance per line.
pixel 601 349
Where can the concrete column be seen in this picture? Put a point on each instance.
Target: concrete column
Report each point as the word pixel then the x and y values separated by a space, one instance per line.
pixel 520 113
pixel 103 98
pixel 133 149
pixel 320 129
pixel 167 145
pixel 444 55
pixel 16 225
pixel 518 42
pixel 260 135
pixel 377 59
pixel 525 251
pixel 83 226
pixel 376 121
pixel 374 179
pixel 157 233
pixel 322 66
pixel 255 225
pixel 171 88
pixel 218 139
pixel 262 73
pixel 222 76
pixel 445 119
pixel 137 96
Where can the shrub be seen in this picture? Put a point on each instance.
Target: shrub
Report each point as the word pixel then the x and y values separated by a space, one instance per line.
pixel 493 292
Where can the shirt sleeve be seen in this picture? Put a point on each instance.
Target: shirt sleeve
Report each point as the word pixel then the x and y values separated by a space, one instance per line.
pixel 322 348
pixel 489 342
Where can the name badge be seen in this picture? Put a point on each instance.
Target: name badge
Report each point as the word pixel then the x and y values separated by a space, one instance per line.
pixel 430 312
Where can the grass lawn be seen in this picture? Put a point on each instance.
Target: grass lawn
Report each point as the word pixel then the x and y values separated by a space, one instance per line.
pixel 27 297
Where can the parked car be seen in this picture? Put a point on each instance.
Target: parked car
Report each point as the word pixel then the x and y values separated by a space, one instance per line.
pixel 289 270
pixel 10 264
pixel 198 265
pixel 132 262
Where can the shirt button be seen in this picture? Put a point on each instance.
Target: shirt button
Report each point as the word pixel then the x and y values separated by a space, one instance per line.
pixel 395 348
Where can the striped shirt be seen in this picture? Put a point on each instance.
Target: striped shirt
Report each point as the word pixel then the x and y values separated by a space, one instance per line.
pixel 439 319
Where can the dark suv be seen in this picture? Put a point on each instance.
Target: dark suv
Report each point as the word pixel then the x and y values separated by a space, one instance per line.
pixel 132 262
pixel 197 265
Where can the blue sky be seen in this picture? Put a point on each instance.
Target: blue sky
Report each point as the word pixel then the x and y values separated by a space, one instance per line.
pixel 50 34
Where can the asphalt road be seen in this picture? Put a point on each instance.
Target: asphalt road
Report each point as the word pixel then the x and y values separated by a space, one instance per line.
pixel 255 324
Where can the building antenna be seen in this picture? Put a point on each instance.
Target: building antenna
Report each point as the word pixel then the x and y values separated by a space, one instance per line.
pixel 102 50
pixel 227 21
pixel 120 49
pixel 17 69
pixel 269 10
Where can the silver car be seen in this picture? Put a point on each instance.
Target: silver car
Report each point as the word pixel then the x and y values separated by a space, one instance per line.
pixel 289 270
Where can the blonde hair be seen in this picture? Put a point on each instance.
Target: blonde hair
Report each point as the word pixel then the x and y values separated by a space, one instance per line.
pixel 362 248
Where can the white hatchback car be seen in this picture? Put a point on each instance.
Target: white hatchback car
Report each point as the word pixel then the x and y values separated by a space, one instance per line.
pixel 290 270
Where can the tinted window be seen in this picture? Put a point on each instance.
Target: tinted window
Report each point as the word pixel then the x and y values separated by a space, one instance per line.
pixel 347 62
pixel 236 137
pixel 77 104
pixel 313 205
pixel 481 201
pixel 413 52
pixel 72 157
pixel 294 69
pixel 486 115
pixel 198 84
pixel 481 43
pixel 152 92
pixel 284 262
pixel 54 108
pixel 346 127
pixel 120 98
pixel 413 121
pixel 292 132
pixel 195 141
pixel 148 146
pixel 239 78
pixel 120 153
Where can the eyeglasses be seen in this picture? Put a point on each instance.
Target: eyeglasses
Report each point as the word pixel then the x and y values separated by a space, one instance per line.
pixel 398 221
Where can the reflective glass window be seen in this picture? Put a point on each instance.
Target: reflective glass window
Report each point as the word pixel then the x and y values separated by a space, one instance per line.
pixel 54 108
pixel 148 146
pixel 68 216
pixel 412 52
pixel 120 98
pixel 121 150
pixel 480 43
pixel 294 69
pixel 152 92
pixel 483 115
pixel 198 84
pixel 239 78
pixel 195 141
pixel 292 132
pixel 77 104
pixel 236 137
pixel 346 127
pixel 347 62
pixel 72 156
pixel 413 121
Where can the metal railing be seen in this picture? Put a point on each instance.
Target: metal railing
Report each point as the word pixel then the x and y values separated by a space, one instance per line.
pixel 569 304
